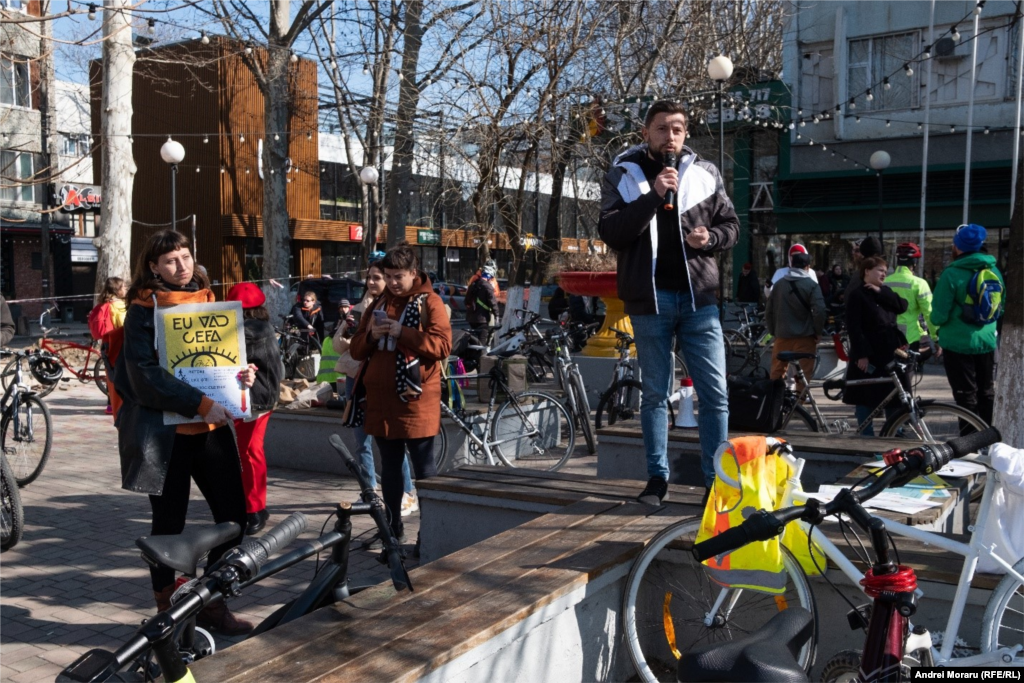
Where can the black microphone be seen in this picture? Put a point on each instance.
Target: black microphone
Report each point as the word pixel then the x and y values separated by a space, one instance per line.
pixel 669 160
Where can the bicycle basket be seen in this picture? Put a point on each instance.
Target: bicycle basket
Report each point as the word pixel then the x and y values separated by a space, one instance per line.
pixel 45 370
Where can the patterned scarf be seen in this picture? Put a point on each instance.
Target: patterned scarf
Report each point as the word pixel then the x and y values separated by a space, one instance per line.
pixel 408 377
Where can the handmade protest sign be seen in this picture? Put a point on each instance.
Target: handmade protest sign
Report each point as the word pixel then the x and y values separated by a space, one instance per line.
pixel 203 345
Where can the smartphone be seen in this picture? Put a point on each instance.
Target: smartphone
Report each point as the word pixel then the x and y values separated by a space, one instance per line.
pixel 379 316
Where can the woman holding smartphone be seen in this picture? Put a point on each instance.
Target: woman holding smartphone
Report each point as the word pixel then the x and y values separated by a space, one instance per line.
pixel 402 342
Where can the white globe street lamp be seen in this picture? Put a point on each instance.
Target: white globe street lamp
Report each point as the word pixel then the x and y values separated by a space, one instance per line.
pixel 173 153
pixel 720 68
pixel 368 175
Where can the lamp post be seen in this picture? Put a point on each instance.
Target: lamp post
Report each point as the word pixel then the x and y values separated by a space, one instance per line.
pixel 368 177
pixel 173 153
pixel 880 161
pixel 720 69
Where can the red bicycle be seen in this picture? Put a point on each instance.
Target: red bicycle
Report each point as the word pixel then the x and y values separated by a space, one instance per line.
pixel 57 353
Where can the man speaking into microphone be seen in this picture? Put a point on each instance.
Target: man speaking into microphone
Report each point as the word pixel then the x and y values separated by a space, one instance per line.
pixel 665 212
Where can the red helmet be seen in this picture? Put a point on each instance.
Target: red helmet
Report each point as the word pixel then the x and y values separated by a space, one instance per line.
pixel 908 250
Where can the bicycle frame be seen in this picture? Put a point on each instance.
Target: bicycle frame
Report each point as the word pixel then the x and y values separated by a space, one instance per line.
pixel 794 495
pixel 498 383
pixel 898 391
pixel 11 399
pixel 57 349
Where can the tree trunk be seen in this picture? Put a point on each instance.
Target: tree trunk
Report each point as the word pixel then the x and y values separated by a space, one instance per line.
pixel 1009 408
pixel 552 227
pixel 115 235
pixel 408 101
pixel 276 101
pixel 48 116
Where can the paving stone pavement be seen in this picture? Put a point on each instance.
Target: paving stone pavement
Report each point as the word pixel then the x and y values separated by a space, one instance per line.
pixel 76 580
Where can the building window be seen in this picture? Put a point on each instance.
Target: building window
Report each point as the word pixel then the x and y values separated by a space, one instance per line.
pixel 873 60
pixel 16 177
pixel 74 145
pixel 13 5
pixel 951 67
pixel 816 77
pixel 14 83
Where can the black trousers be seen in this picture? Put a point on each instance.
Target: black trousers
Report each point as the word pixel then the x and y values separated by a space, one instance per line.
pixel 972 377
pixel 211 459
pixel 392 454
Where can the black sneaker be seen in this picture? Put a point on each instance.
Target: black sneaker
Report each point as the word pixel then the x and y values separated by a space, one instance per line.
pixel 655 493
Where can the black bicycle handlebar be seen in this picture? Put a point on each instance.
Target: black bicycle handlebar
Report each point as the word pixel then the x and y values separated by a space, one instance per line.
pixel 259 549
pixel 764 525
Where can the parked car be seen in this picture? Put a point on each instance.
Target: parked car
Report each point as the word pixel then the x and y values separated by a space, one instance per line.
pixel 330 292
pixel 454 295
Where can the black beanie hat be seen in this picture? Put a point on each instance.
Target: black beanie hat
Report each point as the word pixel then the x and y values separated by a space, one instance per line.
pixel 871 246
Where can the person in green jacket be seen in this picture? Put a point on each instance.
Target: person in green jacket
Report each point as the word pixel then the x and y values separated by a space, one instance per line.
pixel 969 350
pixel 914 290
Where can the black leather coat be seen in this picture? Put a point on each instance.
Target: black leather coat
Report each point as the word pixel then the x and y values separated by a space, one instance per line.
pixel 261 350
pixel 144 441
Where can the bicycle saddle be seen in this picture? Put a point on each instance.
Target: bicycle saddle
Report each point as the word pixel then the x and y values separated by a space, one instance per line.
pixel 760 656
pixel 790 356
pixel 183 551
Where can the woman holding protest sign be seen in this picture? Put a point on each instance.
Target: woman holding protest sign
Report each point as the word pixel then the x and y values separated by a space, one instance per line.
pixel 161 459
pixel 402 339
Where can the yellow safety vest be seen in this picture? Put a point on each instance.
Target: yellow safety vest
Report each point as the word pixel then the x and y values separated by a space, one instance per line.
pixel 918 295
pixel 328 359
pixel 762 477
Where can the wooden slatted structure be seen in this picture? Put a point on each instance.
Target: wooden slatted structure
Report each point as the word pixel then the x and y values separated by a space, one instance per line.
pixel 208 100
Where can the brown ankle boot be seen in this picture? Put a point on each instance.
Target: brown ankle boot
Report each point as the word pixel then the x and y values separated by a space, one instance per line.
pixel 163 598
pixel 217 617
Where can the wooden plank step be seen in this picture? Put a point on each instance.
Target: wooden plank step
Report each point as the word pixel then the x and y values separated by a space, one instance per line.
pixel 443 584
pixel 626 489
pixel 586 552
pixel 500 490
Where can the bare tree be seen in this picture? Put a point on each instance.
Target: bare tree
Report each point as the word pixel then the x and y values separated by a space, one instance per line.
pixel 115 238
pixel 271 68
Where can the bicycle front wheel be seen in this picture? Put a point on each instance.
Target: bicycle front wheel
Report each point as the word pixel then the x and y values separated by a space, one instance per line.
pixel 667 605
pixel 533 429
pixel 937 423
pixel 583 411
pixel 1004 615
pixel 620 405
pixel 12 515
pixel 27 442
pixel 441 449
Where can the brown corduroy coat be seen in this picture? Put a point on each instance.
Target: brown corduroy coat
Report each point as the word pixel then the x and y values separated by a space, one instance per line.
pixel 387 416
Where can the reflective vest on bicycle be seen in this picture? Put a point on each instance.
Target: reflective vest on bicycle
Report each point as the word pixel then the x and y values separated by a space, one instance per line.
pixel 762 477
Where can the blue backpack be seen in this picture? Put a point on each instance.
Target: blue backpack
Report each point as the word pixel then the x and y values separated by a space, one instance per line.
pixel 984 302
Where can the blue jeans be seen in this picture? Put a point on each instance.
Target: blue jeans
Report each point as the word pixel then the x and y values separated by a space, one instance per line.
pixel 699 335
pixel 365 454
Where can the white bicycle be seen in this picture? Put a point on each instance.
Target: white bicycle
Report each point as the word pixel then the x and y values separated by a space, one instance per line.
pixel 670 604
